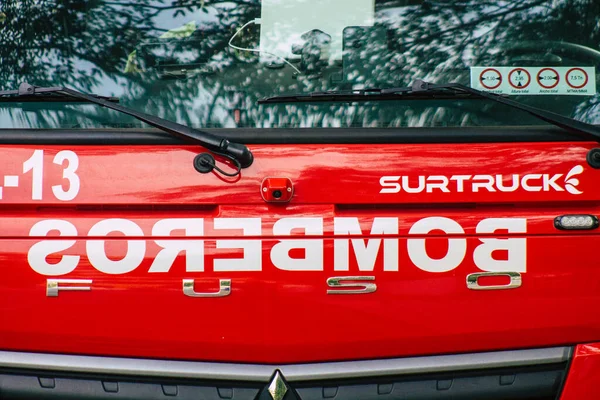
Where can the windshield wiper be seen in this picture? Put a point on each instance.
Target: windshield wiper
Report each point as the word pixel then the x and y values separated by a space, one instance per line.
pixel 237 153
pixel 47 95
pixel 452 91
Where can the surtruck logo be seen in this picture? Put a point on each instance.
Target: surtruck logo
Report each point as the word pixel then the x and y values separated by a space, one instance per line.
pixel 571 183
pixel 483 183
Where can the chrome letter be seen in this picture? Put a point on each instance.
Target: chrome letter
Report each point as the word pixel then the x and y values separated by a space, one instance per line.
pixel 473 281
pixel 351 285
pixel 224 289
pixel 52 286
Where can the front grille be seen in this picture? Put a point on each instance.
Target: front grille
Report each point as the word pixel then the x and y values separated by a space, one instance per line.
pixel 539 383
pixel 524 383
pixel 44 386
pixel 423 378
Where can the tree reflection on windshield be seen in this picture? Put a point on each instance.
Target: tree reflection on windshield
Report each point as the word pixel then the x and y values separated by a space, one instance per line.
pixel 173 59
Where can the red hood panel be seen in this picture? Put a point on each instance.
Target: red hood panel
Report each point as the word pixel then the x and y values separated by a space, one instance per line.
pixel 412 221
pixel 321 174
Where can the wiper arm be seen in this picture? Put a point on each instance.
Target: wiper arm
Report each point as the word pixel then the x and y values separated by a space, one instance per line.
pixel 238 153
pixel 453 91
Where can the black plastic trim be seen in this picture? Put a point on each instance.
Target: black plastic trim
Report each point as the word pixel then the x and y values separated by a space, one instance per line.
pixel 48 387
pixel 294 136
pixel 541 382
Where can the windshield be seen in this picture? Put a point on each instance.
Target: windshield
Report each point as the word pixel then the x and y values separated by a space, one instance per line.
pixel 206 63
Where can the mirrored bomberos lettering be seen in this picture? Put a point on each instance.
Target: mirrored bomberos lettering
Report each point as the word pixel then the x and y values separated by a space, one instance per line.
pixel 356 250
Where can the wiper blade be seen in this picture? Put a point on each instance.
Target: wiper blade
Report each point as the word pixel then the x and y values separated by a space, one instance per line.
pixel 453 91
pixel 51 94
pixel 238 153
pixel 373 94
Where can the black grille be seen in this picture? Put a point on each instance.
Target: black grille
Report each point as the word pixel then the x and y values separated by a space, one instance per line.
pixel 539 383
pixel 523 383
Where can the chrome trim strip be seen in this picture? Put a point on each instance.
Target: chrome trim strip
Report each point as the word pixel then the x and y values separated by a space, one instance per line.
pixel 297 372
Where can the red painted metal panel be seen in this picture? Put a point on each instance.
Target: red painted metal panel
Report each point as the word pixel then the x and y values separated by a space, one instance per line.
pixel 278 315
pixel 584 375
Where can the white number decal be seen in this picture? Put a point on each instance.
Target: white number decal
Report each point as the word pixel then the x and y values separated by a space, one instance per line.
pixel 35 164
pixel 69 174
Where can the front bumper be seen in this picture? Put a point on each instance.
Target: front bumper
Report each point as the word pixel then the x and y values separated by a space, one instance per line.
pixel 564 373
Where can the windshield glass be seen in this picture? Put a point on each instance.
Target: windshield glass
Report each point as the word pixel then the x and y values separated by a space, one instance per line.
pixel 206 63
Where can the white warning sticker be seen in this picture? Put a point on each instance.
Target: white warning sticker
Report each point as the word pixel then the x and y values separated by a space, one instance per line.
pixel 535 80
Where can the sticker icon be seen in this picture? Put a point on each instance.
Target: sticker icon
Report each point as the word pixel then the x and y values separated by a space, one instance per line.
pixel 577 78
pixel 519 78
pixel 548 78
pixel 490 78
pixel 535 81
